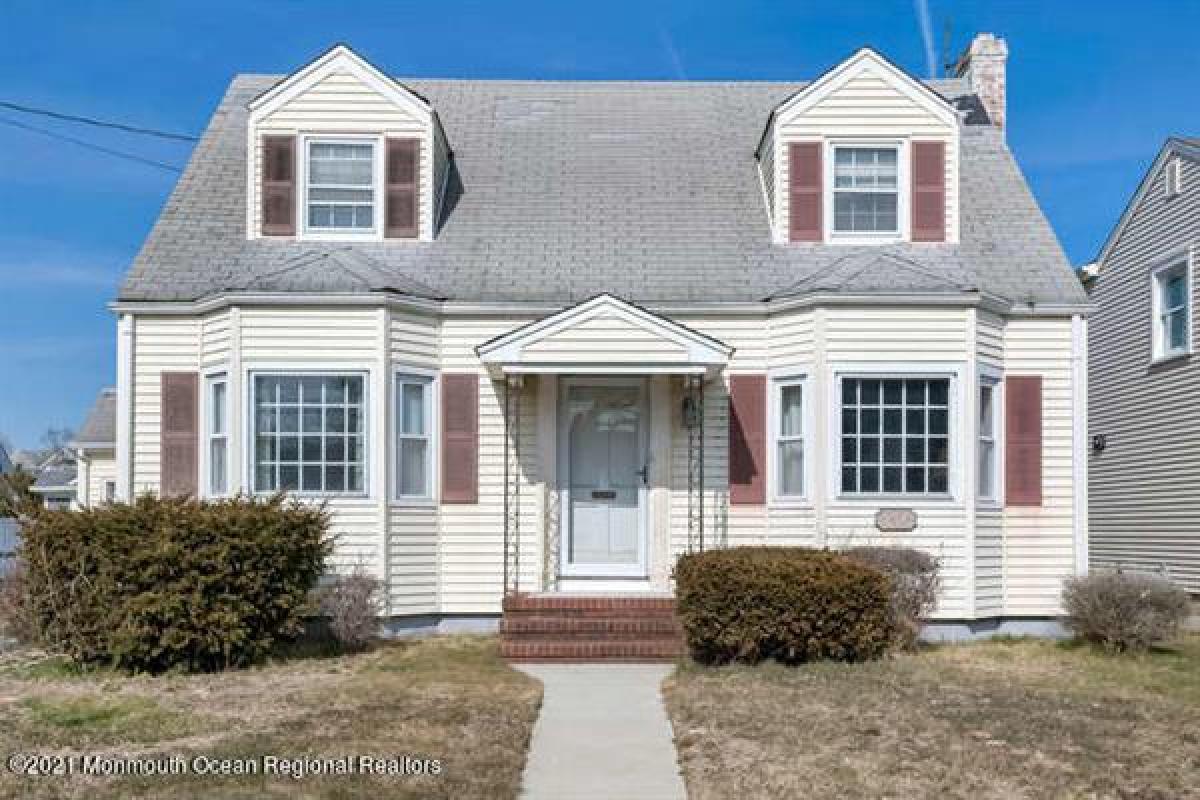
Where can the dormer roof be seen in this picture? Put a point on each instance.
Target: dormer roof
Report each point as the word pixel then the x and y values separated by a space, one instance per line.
pixel 563 190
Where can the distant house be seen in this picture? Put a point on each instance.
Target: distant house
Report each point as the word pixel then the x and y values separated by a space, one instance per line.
pixel 56 481
pixel 1144 414
pixel 96 452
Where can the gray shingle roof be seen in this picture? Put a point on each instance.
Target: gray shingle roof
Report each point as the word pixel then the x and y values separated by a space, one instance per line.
pixel 100 426
pixel 570 189
pixel 55 476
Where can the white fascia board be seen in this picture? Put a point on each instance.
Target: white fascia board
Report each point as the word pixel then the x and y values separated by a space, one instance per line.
pixel 1168 150
pixel 338 59
pixel 862 61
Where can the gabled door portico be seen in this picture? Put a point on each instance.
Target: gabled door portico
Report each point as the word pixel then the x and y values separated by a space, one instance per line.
pixel 596 364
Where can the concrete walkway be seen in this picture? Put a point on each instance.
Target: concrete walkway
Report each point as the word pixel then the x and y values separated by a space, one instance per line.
pixel 603 732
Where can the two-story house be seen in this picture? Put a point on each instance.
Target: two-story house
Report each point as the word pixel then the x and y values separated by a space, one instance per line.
pixel 534 339
pixel 1145 455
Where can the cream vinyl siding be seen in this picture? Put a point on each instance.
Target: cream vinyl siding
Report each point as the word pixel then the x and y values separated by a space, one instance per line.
pixel 472 536
pixel 449 558
pixel 869 107
pixel 1145 510
pixel 341 104
pixel 1039 550
pixel 102 467
pixel 766 171
pixel 608 339
pixel 412 548
pixel 161 344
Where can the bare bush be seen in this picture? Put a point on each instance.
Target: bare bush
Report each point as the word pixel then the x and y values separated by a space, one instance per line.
pixel 353 604
pixel 1124 611
pixel 16 620
pixel 916 581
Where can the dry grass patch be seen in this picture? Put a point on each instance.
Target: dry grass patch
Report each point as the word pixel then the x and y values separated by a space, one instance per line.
pixel 446 698
pixel 1005 719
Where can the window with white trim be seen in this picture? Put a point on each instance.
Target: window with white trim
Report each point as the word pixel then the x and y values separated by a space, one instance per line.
pixel 110 491
pixel 309 433
pixel 865 190
pixel 789 438
pixel 895 436
pixel 1172 311
pixel 340 191
pixel 217 434
pixel 989 394
pixel 414 437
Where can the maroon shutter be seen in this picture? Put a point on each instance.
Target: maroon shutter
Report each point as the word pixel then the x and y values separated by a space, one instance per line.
pixel 747 439
pixel 804 190
pixel 179 433
pixel 402 177
pixel 460 438
pixel 928 191
pixel 1023 440
pixel 279 186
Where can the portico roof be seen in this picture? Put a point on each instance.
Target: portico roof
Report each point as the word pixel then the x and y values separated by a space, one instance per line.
pixel 604 335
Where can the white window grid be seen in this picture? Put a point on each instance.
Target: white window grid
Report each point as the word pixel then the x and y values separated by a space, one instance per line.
pixel 358 207
pixel 424 383
pixel 866 175
pixel 922 464
pixel 988 463
pixel 786 438
pixel 218 434
pixel 311 472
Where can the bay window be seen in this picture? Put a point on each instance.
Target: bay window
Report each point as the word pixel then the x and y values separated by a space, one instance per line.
pixel 414 437
pixel 309 433
pixel 895 436
pixel 789 428
pixel 217 434
pixel 989 394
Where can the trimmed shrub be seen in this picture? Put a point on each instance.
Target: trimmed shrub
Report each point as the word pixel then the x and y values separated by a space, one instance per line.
pixel 1124 611
pixel 172 583
pixel 790 604
pixel 916 582
pixel 352 604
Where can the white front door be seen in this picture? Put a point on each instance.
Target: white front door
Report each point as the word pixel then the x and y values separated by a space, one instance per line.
pixel 604 438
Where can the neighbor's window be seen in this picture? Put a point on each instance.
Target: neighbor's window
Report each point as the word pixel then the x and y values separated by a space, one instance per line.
pixel 110 491
pixel 414 437
pixel 218 435
pixel 1172 304
pixel 789 444
pixel 865 190
pixel 987 441
pixel 341 186
pixel 309 433
pixel 895 435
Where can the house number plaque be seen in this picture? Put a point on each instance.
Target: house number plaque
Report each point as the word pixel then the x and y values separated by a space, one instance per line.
pixel 896 520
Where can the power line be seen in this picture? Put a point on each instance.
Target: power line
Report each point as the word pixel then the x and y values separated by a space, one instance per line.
pixel 81 143
pixel 100 123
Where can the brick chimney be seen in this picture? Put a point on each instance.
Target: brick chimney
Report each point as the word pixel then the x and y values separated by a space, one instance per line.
pixel 983 65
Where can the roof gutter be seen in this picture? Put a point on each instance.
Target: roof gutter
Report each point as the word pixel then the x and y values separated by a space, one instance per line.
pixel 983 300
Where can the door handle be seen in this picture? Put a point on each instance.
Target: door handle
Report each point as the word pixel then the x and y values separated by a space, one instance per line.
pixel 644 472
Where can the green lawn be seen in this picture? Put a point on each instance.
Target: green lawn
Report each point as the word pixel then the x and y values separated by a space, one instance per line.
pixel 1004 719
pixel 449 699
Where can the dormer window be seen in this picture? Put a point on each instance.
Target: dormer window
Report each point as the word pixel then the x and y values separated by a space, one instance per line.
pixel 865 190
pixel 340 190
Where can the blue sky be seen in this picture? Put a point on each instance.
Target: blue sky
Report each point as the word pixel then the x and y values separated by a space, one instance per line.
pixel 1094 88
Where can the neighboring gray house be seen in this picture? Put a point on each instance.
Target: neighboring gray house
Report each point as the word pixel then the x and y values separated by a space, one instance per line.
pixel 56 481
pixel 1144 414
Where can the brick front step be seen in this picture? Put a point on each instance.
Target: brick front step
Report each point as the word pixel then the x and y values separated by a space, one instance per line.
pixel 563 626
pixel 560 650
pixel 567 602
